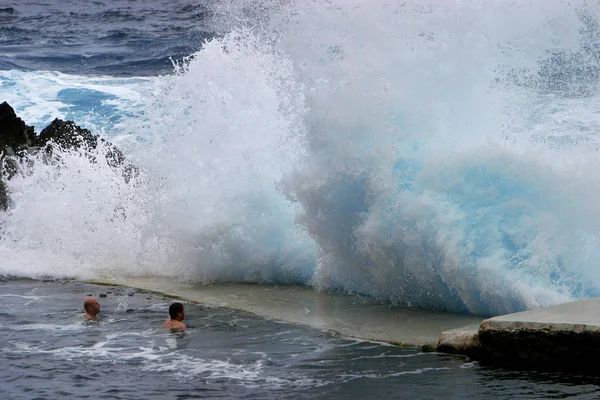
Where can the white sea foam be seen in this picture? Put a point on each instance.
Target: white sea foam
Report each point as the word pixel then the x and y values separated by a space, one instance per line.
pixel 47 327
pixel 372 375
pixel 42 96
pixel 167 359
pixel 413 152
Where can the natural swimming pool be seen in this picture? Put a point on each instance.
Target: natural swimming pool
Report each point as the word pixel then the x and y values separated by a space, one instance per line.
pixel 48 352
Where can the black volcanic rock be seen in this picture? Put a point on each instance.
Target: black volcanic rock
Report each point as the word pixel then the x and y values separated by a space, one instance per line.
pixel 18 139
pixel 13 131
pixel 67 135
pixel 3 197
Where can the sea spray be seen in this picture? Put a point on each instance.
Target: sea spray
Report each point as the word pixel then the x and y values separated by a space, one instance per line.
pixel 74 215
pixel 226 128
pixel 429 154
pixel 426 185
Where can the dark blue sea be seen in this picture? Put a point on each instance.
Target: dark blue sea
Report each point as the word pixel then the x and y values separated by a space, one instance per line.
pixel 47 351
pixel 429 154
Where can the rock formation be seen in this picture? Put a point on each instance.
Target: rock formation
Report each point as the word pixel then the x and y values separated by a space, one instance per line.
pixel 18 139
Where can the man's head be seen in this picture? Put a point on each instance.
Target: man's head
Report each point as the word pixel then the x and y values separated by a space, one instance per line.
pixel 91 306
pixel 176 311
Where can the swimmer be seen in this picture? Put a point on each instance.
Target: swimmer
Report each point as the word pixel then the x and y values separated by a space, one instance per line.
pixel 177 314
pixel 91 307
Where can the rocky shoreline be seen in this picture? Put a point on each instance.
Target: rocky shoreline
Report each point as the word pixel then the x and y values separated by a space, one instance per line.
pixel 19 140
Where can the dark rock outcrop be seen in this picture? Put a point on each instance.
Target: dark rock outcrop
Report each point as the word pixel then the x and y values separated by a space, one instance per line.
pixel 3 197
pixel 14 135
pixel 18 139
pixel 14 132
pixel 69 136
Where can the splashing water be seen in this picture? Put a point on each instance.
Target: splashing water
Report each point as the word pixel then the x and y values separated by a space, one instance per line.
pixel 437 155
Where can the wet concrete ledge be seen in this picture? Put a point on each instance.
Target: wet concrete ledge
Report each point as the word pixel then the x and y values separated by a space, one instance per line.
pixel 350 316
pixel 565 337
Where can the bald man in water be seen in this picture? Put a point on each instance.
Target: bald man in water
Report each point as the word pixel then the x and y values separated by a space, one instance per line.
pixel 92 308
pixel 177 314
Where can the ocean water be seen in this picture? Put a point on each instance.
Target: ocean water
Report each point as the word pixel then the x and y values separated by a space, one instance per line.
pixel 47 352
pixel 428 154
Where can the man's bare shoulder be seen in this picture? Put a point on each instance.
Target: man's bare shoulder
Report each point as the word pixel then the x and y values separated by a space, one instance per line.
pixel 87 317
pixel 172 324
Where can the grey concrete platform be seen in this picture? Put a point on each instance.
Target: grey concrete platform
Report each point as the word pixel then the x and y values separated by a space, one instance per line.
pixel 561 337
pixel 352 316
pixel 583 315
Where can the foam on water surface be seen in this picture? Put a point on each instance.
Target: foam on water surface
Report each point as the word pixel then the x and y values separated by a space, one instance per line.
pixel 97 103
